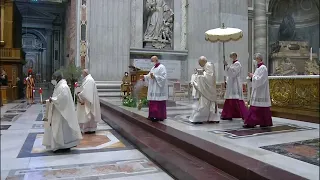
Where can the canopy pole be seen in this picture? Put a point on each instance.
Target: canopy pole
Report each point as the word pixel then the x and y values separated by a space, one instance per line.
pixel 224 58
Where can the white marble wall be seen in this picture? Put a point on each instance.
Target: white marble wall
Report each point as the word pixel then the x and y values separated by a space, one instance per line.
pixel 208 14
pixel 116 26
pixel 109 38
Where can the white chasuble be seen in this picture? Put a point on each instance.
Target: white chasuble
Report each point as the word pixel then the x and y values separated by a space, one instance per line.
pixel 260 95
pixel 234 85
pixel 61 129
pixel 157 87
pixel 205 84
pixel 89 114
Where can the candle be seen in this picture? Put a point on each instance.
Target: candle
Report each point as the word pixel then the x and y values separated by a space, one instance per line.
pixel 311 53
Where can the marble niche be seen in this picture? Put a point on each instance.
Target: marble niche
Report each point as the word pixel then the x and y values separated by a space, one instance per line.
pixel 158 24
pixel 293 32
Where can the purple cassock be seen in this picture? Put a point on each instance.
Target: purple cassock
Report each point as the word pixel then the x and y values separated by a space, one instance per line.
pixel 234 106
pixel 259 112
pixel 157 92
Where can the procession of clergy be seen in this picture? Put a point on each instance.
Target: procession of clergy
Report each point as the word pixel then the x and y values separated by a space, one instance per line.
pixel 204 92
pixel 64 126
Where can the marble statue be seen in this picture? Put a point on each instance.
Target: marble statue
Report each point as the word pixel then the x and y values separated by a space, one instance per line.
pixel 159 27
pixel 155 19
pixel 287 30
pixel 167 29
pixel 286 68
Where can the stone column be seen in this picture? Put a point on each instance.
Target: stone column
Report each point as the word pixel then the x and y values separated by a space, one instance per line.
pixel 260 29
pixel 2 23
pixel 184 14
pixel 49 55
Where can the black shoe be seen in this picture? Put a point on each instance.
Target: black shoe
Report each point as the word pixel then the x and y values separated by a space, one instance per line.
pixel 197 122
pixel 90 132
pixel 213 122
pixel 229 119
pixel 247 126
pixel 62 150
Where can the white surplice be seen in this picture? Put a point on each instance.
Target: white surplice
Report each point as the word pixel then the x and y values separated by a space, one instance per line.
pixel 195 93
pixel 61 128
pixel 89 114
pixel 234 85
pixel 157 87
pixel 205 84
pixel 260 96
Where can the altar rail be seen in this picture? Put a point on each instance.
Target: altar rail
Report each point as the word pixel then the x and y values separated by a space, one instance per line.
pixel 295 97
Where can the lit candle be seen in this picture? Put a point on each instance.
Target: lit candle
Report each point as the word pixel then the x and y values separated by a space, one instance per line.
pixel 311 53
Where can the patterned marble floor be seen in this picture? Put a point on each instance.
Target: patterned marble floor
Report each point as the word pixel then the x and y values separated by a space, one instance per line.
pixel 105 155
pixel 256 143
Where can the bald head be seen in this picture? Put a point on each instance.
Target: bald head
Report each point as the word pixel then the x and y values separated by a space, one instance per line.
pixel 85 72
pixel 154 59
pixel 202 61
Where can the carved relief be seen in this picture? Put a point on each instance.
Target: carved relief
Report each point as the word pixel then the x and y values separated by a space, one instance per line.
pixel 159 24
pixel 286 68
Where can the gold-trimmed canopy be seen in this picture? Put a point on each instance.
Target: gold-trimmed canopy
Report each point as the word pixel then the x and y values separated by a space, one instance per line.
pixel 223 34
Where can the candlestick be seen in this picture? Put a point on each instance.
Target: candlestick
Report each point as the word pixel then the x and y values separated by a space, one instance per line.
pixel 311 53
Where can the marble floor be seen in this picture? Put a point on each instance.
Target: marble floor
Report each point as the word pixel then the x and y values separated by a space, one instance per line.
pixel 290 145
pixel 104 155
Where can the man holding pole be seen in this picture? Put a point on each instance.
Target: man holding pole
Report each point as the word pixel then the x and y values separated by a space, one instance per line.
pixel 234 106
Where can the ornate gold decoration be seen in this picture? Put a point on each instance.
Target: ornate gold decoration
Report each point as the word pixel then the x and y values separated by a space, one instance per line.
pixel 311 67
pixel 295 95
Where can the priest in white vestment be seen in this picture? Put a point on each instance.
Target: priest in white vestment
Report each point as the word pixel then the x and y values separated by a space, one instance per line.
pixel 234 106
pixel 156 80
pixel 259 112
pixel 88 107
pixel 206 107
pixel 62 130
pixel 195 94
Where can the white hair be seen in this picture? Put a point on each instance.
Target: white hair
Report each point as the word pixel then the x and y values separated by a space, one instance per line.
pixel 203 58
pixel 258 56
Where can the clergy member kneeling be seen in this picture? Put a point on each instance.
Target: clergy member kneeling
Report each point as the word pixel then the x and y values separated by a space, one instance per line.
pixel 259 112
pixel 206 106
pixel 234 106
pixel 62 130
pixel 156 81
pixel 88 107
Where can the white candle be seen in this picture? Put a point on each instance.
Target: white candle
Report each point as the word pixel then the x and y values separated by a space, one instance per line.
pixel 311 53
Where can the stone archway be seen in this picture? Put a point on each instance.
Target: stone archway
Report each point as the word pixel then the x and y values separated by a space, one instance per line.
pixel 34 47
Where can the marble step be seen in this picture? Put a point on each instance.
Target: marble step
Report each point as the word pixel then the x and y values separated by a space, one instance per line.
pixel 109 94
pixel 108 86
pixel 109 90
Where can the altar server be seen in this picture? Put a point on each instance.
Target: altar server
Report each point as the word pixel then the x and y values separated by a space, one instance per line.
pixel 259 112
pixel 206 107
pixel 62 130
pixel 156 80
pixel 88 108
pixel 234 106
